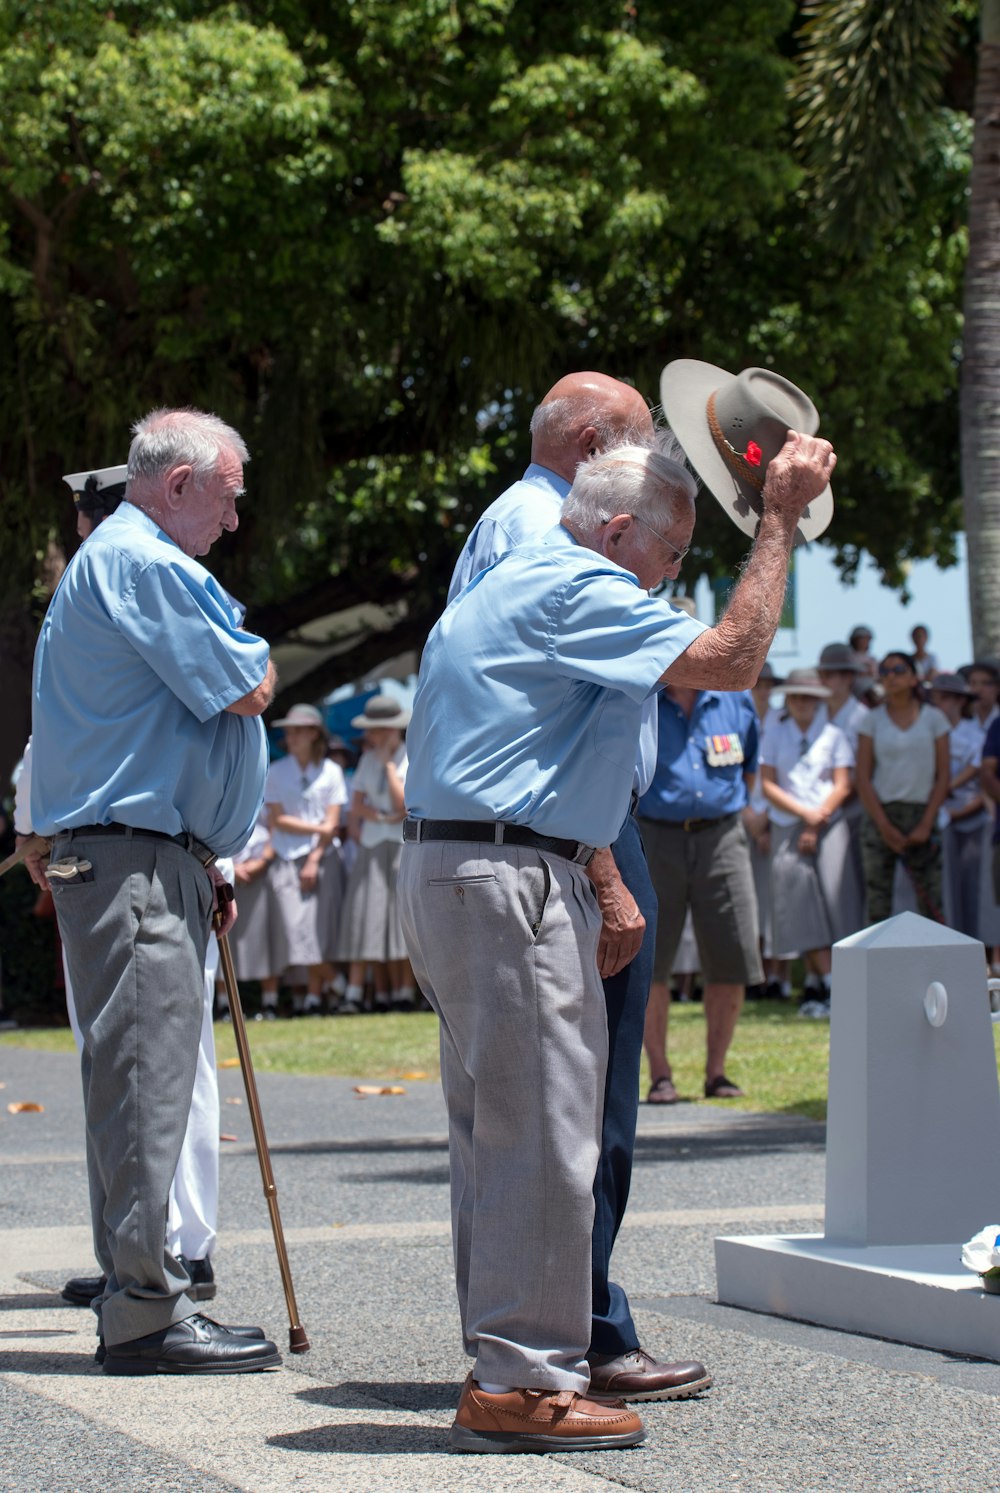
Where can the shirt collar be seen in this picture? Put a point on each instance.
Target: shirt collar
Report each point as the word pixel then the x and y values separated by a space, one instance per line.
pixel 545 477
pixel 139 520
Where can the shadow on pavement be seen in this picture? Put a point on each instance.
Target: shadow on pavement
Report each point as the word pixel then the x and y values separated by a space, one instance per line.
pixel 49 1363
pixel 403 1395
pixel 364 1439
pixel 39 1301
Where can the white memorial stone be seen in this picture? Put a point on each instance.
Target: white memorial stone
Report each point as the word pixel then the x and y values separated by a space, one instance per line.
pixel 913 1152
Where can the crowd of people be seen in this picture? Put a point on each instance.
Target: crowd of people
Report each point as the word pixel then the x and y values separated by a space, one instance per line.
pixel 874 796
pixel 493 857
pixel 317 878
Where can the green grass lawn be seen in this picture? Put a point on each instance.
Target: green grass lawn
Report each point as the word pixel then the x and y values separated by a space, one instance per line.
pixel 779 1059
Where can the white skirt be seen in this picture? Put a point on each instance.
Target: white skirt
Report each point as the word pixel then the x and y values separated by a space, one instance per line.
pixel 310 920
pixel 370 927
pixel 815 899
pixel 257 940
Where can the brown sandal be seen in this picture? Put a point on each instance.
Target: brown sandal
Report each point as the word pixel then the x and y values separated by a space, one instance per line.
pixel 663 1092
pixel 722 1088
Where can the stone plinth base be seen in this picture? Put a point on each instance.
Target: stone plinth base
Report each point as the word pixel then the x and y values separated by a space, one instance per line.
pixel 916 1294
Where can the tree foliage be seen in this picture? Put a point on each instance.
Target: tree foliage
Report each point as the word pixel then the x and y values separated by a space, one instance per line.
pixel 371 235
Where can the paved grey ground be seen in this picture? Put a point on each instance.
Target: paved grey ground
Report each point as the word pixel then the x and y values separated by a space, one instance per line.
pixel 362 1185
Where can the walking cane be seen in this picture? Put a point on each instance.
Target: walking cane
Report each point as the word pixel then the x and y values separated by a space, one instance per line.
pixel 297 1340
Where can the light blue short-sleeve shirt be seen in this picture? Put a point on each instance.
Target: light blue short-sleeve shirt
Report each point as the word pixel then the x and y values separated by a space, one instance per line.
pixel 524 514
pixel 139 656
pixel 531 693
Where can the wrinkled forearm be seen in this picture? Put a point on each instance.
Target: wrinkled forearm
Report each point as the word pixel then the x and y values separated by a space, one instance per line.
pixel 730 655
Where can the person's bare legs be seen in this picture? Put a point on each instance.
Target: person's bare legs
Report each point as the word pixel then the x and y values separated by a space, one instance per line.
pixel 723 1004
pixel 654 1037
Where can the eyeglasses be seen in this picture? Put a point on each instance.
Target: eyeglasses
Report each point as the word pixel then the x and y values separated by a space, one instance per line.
pixel 678 554
pixel 885 669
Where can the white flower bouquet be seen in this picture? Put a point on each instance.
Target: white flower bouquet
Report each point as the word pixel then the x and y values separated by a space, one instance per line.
pixel 982 1254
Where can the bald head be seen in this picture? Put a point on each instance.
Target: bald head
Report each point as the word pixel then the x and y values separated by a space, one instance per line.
pixel 585 413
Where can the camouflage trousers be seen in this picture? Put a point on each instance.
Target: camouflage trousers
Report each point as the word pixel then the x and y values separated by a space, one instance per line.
pixel 922 864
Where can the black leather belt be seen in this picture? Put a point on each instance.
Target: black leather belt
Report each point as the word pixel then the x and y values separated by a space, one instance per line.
pixel 688 825
pixel 493 832
pixel 201 852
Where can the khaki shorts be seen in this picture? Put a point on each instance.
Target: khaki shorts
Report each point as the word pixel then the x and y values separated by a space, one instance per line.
pixel 707 868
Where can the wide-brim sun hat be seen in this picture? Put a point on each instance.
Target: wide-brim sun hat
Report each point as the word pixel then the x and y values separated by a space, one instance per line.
pixel 731 426
pixel 382 712
pixel 805 682
pixel 840 656
pixel 303 715
pixel 951 684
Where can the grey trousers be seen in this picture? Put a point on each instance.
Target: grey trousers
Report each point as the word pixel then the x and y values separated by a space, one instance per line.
pixel 503 943
pixel 135 939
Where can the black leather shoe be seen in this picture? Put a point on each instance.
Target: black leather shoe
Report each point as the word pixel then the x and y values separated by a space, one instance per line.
pixel 256 1334
pixel 202 1287
pixel 81 1290
pixel 195 1346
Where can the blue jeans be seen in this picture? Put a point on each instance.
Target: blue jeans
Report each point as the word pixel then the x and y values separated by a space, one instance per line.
pixel 625 995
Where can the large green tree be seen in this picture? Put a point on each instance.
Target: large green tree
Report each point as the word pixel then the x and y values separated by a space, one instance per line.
pixel 875 82
pixel 371 235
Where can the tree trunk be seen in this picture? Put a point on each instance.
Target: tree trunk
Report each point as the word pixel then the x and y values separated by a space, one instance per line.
pixel 980 389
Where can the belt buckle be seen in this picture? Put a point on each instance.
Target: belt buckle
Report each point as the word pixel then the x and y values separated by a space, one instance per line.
pixel 686 825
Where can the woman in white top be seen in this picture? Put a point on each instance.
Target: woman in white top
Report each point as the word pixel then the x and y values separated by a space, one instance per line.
pixel 902 775
pixel 964 812
pixel 304 795
pixel 806 776
pixel 371 934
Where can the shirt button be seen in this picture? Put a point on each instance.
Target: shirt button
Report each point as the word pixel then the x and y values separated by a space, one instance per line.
pixel 694 766
pixel 699 794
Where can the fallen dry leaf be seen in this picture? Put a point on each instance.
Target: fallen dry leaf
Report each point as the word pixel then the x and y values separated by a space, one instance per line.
pixel 234 1099
pixel 229 1137
pixel 230 1063
pixel 413 1076
pixel 373 1088
pixel 3 1085
pixel 25 1108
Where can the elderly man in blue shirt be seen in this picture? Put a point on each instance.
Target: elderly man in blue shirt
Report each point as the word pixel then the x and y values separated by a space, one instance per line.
pixel 699 857
pixel 522 757
pixel 581 415
pixel 148 762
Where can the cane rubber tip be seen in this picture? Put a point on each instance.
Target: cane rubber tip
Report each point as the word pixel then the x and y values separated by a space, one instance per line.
pixel 297 1340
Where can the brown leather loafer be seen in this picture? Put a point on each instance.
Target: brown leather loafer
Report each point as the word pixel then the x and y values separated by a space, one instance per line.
pixel 639 1376
pixel 541 1420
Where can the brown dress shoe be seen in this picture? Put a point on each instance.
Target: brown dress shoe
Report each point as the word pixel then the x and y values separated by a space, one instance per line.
pixel 638 1376
pixel 541 1420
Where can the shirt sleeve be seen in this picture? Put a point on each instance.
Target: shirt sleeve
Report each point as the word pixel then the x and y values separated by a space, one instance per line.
pixel 939 722
pixel 22 794
pixel 184 630
pixel 335 788
pixel 605 630
pixel 272 785
pixel 769 743
pixel 841 753
pixel 866 725
pixel 486 544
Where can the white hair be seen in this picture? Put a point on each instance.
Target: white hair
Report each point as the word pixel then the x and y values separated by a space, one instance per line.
pixel 167 438
pixel 640 480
